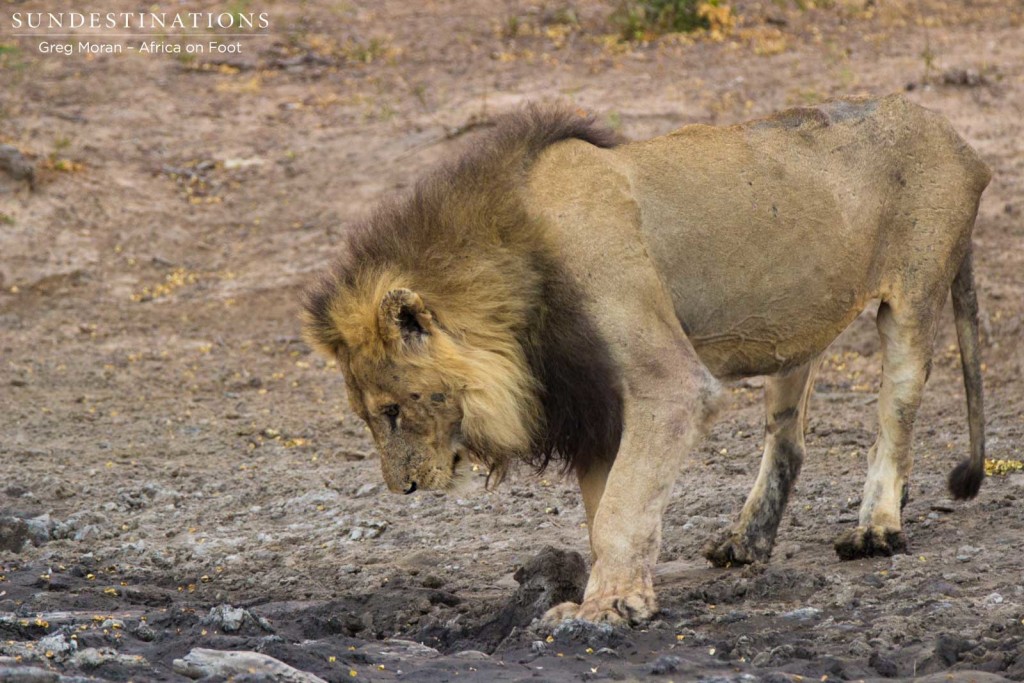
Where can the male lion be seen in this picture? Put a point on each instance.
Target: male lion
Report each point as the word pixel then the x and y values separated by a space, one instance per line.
pixel 555 294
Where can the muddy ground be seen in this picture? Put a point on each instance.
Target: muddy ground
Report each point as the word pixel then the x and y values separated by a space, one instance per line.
pixel 179 471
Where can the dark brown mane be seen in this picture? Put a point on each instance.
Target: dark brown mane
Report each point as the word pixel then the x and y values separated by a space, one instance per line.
pixel 465 241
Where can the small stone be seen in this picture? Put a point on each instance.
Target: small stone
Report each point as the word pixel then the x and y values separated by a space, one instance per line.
pixel 26 674
pixel 802 614
pixel 966 553
pixel 666 664
pixel 14 533
pixel 57 644
pixel 883 665
pixel 40 528
pixel 993 599
pixel 145 633
pixel 232 619
pixel 432 581
pixel 367 529
pixel 366 490
pixel 17 165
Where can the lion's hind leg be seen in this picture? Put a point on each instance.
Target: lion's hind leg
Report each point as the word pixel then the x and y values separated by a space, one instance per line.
pixel 751 538
pixel 907 332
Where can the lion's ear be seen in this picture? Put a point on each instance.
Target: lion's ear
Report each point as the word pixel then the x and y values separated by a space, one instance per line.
pixel 403 317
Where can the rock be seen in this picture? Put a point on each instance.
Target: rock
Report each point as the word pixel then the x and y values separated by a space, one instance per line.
pixel 92 657
pixel 883 665
pixel 778 656
pixel 202 663
pixel 40 529
pixel 666 664
pixel 366 490
pixel 948 648
pixel 993 599
pixel 595 635
pixel 17 165
pixel 145 633
pixel 398 649
pixel 56 644
pixel 27 674
pixel 966 553
pixel 233 619
pixel 802 614
pixel 432 581
pixel 472 654
pixel 367 529
pixel 548 578
pixel 14 533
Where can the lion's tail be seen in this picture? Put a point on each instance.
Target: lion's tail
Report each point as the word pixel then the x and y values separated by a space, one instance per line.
pixel 966 478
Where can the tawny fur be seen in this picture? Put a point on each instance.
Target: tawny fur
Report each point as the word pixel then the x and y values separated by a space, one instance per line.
pixel 554 294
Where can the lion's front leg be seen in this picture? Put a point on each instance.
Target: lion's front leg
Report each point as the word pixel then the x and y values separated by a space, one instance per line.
pixel 664 418
pixel 592 480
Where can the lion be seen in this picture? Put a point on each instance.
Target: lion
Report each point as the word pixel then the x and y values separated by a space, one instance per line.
pixel 558 294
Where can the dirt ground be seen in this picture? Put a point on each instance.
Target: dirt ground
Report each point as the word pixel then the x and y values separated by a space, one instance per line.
pixel 180 472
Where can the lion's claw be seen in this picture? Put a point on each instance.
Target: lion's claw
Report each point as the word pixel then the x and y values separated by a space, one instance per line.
pixel 730 550
pixel 871 541
pixel 630 610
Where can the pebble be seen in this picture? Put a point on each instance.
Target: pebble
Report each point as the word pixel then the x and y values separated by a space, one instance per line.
pixel 232 619
pixel 40 528
pixel 994 599
pixel 367 529
pixel 398 649
pixel 966 553
pixel 28 674
pixel 802 614
pixel 366 490
pixel 14 533
pixel 666 664
pixel 57 644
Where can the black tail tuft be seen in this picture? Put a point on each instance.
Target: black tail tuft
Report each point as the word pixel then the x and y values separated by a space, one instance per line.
pixel 965 480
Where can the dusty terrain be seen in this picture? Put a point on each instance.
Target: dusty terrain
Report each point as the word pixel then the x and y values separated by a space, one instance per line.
pixel 169 446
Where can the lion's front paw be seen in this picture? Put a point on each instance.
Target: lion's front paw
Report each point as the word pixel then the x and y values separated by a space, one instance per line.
pixel 559 613
pixel 624 611
pixel 870 541
pixel 732 549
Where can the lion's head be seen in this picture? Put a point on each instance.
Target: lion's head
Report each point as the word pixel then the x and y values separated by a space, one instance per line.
pixel 461 339
pixel 437 400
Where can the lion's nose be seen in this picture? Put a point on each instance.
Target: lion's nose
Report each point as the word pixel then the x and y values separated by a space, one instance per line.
pixel 411 489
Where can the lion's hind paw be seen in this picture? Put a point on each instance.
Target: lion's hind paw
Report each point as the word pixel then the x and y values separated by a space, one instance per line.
pixel 870 541
pixel 729 550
